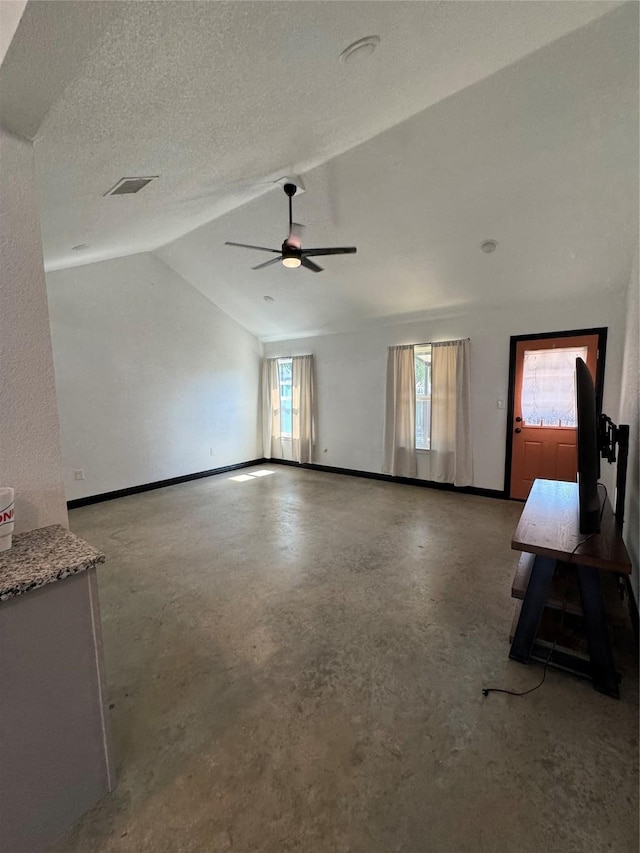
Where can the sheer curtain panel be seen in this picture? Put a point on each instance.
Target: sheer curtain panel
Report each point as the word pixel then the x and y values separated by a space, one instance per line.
pixel 400 414
pixel 298 443
pixel 271 432
pixel 451 459
pixel 302 408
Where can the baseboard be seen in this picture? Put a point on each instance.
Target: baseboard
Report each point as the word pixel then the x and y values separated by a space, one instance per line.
pixel 328 469
pixel 159 484
pixel 387 478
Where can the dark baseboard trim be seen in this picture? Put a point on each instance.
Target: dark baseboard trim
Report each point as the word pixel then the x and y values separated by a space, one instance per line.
pixel 387 478
pixel 159 484
pixel 328 469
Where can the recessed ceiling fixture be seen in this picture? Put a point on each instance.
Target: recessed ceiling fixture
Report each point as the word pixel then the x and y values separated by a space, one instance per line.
pixel 268 299
pixel 127 186
pixel 80 247
pixel 489 246
pixel 360 49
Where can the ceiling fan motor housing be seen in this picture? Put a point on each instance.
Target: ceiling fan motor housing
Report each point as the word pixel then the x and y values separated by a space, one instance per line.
pixel 290 251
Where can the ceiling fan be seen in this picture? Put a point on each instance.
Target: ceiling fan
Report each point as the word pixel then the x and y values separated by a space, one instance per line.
pixel 292 254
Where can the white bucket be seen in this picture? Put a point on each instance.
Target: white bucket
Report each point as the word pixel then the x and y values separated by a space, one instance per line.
pixel 6 517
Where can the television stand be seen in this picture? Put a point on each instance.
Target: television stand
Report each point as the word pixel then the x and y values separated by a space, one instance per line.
pixel 548 535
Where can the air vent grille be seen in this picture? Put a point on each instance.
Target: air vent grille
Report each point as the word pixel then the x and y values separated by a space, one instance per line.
pixel 127 186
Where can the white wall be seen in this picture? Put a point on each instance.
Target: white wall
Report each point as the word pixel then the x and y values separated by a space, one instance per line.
pixel 351 369
pixel 629 401
pixel 154 381
pixel 30 451
pixel 10 14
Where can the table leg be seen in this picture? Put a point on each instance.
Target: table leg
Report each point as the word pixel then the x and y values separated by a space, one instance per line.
pixel 532 608
pixel 603 670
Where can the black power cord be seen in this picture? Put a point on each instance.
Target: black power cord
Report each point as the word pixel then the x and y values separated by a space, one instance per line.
pixel 606 495
pixel 582 542
pixel 487 690
pixel 591 535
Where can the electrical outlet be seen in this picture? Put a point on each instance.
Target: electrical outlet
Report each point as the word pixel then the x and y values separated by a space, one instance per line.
pixel 78 474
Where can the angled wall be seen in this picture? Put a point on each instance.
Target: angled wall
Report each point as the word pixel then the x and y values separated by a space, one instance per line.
pixel 154 381
pixel 30 452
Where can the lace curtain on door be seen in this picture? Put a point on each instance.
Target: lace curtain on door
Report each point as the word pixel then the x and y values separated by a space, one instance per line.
pixel 548 386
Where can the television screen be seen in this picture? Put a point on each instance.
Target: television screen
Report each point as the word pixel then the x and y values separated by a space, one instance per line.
pixel 588 458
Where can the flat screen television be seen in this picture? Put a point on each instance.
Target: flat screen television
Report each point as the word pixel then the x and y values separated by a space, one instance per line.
pixel 588 455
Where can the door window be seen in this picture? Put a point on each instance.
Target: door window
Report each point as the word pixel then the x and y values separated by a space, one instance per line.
pixel 548 386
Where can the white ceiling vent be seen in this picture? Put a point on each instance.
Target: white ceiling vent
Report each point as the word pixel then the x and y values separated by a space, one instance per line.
pixel 126 186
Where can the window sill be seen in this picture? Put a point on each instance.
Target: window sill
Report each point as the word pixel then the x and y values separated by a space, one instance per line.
pixel 423 450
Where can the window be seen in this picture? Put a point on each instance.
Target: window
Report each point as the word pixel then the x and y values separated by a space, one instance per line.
pixel 288 408
pixel 548 386
pixel 422 367
pixel 284 375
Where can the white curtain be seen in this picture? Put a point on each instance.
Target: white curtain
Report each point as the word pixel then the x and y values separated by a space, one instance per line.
pixel 299 446
pixel 302 408
pixel 451 459
pixel 400 414
pixel 271 440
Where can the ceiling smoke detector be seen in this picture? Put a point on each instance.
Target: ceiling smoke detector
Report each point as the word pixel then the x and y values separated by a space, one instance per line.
pixel 359 49
pixel 489 246
pixel 127 186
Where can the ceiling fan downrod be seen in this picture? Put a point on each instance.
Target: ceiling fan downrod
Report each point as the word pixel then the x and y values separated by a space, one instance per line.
pixel 290 190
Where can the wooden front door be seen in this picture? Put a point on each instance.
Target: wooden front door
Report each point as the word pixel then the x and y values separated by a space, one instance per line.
pixel 544 413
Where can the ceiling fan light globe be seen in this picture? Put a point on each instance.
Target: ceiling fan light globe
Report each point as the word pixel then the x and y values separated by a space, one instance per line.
pixel 291 262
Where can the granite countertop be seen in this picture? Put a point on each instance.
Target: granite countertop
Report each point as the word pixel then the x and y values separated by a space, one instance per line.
pixel 44 556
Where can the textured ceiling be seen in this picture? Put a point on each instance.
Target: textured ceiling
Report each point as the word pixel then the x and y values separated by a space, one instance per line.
pixel 542 157
pixel 472 120
pixel 219 98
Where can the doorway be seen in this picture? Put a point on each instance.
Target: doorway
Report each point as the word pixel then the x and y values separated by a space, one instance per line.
pixel 541 426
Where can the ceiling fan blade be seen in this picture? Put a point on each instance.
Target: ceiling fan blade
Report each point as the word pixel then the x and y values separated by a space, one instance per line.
pixel 295 235
pixel 247 246
pixel 305 262
pixel 268 263
pixel 336 250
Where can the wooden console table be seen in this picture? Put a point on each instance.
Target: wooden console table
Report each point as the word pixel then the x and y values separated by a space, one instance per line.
pixel 548 534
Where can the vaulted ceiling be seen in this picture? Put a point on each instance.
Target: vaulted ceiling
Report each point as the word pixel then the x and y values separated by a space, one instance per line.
pixel 516 121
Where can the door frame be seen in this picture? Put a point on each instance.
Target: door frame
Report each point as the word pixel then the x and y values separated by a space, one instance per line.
pixel 601 332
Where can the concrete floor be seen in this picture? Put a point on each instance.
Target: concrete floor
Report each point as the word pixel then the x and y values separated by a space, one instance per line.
pixel 295 663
